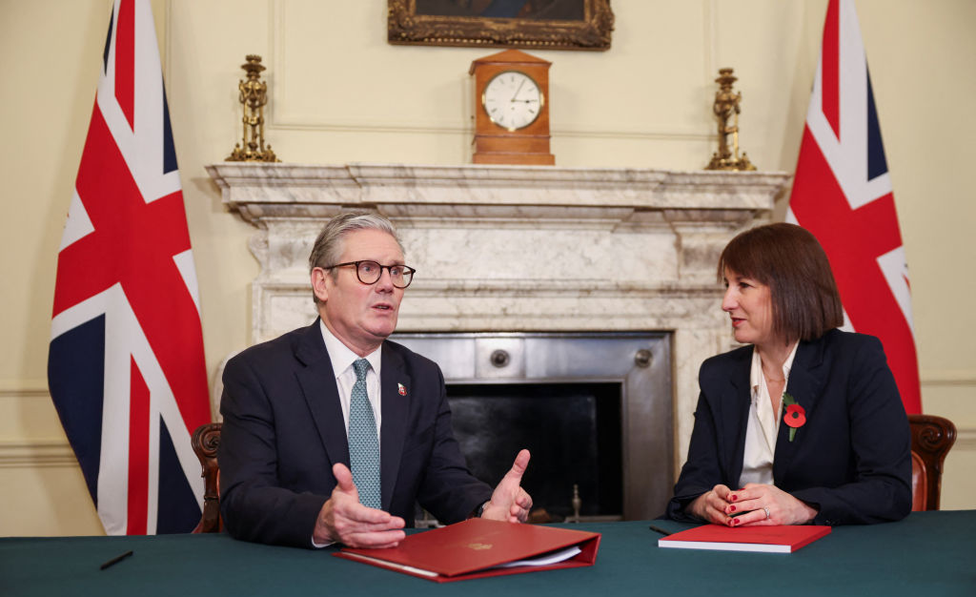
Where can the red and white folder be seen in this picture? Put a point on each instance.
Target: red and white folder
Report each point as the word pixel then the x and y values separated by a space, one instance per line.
pixel 770 539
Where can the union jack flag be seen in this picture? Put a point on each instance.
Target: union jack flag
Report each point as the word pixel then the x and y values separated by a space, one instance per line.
pixel 126 366
pixel 842 193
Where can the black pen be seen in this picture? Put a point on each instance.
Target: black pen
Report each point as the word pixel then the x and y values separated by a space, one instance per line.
pixel 115 560
pixel 654 527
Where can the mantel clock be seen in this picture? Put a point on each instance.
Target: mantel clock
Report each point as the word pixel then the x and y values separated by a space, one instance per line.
pixel 511 96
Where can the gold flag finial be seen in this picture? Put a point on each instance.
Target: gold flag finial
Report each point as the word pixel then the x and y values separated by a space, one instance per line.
pixel 726 108
pixel 253 96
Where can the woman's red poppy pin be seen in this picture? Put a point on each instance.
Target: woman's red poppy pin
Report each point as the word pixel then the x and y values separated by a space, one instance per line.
pixel 794 416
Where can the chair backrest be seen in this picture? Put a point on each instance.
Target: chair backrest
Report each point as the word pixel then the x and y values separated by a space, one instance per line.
pixel 205 441
pixel 932 437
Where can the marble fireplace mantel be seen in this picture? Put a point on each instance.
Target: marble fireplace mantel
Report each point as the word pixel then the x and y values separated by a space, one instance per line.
pixel 517 248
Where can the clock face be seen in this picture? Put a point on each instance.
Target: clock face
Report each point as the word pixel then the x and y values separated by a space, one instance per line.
pixel 512 100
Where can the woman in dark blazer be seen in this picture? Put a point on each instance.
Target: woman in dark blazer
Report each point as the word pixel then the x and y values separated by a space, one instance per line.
pixel 804 425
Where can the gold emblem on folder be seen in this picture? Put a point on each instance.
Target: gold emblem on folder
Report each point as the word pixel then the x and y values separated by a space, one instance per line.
pixel 479 546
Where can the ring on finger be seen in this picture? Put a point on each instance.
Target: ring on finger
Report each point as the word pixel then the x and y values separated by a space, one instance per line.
pixel 766 510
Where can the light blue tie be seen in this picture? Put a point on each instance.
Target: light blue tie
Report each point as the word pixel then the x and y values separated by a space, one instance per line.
pixel 364 448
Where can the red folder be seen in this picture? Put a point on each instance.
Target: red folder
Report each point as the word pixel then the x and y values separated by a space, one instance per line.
pixel 771 539
pixel 473 549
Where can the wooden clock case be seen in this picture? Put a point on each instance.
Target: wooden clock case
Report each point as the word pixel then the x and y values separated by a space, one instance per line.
pixel 496 145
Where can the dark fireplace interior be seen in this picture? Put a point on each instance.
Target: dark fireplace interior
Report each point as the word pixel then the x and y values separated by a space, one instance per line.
pixel 571 429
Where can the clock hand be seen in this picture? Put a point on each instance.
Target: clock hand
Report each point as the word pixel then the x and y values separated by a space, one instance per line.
pixel 517 90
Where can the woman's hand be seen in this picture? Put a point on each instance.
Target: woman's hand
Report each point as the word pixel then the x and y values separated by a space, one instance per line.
pixel 758 504
pixel 712 506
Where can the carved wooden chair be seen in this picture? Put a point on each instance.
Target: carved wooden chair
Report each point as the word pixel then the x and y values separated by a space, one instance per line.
pixel 205 441
pixel 932 437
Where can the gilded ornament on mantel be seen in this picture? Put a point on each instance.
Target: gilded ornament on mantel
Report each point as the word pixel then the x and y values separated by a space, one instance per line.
pixel 727 108
pixel 253 96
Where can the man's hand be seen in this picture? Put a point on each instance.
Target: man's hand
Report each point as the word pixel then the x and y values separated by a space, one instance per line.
pixel 344 520
pixel 509 501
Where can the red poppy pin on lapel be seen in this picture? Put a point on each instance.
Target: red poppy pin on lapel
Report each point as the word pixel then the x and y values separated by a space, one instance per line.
pixel 794 416
pixel 402 390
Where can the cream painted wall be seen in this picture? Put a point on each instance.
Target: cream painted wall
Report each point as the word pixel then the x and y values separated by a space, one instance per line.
pixel 341 94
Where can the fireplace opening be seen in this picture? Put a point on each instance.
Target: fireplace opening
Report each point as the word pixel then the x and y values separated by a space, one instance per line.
pixel 572 431
pixel 595 409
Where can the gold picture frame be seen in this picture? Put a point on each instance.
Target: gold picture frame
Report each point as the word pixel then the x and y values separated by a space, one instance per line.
pixel 541 24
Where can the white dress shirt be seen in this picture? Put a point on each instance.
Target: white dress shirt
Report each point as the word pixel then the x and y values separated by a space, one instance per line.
pixel 763 425
pixel 342 359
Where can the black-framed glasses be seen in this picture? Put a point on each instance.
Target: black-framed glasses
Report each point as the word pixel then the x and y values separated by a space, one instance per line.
pixel 369 272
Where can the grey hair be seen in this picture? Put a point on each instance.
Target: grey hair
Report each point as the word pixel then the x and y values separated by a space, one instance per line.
pixel 328 247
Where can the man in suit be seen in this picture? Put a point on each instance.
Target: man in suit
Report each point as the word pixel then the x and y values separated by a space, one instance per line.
pixel 299 409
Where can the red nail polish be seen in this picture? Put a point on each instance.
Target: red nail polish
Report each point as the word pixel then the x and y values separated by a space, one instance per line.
pixel 733 498
pixel 731 508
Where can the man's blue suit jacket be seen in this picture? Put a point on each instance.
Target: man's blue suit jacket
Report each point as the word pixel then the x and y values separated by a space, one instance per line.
pixel 851 459
pixel 283 430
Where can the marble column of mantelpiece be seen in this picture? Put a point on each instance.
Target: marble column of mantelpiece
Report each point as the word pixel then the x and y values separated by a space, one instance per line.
pixel 508 248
